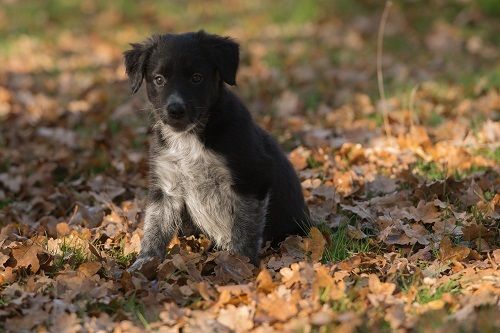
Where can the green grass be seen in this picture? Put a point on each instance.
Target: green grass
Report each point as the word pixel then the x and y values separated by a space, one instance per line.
pixel 117 252
pixel 478 215
pixel 298 12
pixel 343 305
pixel 435 172
pixel 490 153
pixel 129 304
pixel 100 162
pixel 312 99
pixel 405 280
pixel 481 321
pixel 114 126
pixel 490 7
pixel 429 170
pixel 72 254
pixel 460 175
pixel 133 306
pixel 435 119
pixel 489 195
pixel 377 117
pixel 347 303
pixel 341 245
pixel 427 294
pixel 274 60
pixel 312 163
pixel 4 203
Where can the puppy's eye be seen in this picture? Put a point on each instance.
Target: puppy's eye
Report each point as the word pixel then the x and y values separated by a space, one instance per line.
pixel 159 80
pixel 196 78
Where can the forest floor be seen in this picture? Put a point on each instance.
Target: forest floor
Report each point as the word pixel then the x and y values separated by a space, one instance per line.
pixel 408 208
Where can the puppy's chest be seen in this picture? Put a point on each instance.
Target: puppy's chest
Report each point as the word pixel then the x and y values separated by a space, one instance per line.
pixel 186 169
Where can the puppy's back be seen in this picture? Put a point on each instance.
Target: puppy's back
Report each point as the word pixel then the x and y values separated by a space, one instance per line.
pixel 287 211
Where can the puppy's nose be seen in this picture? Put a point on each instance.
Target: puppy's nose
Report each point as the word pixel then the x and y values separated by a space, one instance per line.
pixel 176 110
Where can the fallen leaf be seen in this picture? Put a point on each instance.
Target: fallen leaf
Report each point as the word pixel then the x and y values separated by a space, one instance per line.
pixel 66 323
pixel 473 231
pixel 315 244
pixel 264 281
pixel 238 319
pixel 133 246
pixel 232 267
pixel 276 307
pixel 7 275
pixel 299 157
pixel 62 229
pixel 26 256
pixel 447 251
pixel 88 269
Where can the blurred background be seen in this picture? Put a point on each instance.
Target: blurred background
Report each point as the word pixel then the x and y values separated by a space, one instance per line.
pixel 308 73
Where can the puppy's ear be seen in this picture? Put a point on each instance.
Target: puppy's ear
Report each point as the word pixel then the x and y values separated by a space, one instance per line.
pixel 136 59
pixel 224 53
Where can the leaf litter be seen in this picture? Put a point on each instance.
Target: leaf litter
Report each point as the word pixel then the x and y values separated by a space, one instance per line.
pixel 407 230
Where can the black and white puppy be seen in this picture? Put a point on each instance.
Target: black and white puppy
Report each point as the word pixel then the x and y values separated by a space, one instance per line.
pixel 212 167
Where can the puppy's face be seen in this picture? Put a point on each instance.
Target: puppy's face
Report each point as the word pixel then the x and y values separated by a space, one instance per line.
pixel 183 74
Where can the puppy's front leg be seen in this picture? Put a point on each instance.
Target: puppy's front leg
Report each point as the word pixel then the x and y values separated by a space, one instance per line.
pixel 247 231
pixel 162 220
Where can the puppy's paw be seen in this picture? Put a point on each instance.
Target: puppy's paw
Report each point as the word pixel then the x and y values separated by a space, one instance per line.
pixel 145 265
pixel 137 264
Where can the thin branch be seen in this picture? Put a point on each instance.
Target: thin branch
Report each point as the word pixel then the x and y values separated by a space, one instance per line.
pixel 380 76
pixel 411 107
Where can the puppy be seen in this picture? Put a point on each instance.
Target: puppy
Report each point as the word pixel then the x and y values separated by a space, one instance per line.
pixel 212 167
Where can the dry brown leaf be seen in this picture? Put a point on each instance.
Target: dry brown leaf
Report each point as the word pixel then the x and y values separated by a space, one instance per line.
pixel 3 259
pixel 62 229
pixel 473 231
pixel 238 319
pixel 26 323
pixel 377 287
pixel 232 267
pixel 496 256
pixel 323 282
pixel 88 269
pixel 126 281
pixel 424 212
pixel 315 244
pixel 264 281
pixel 396 316
pixel 134 246
pixel 299 157
pixel 276 307
pixel 66 323
pixel 26 256
pixel 7 275
pixel 291 275
pixel 206 291
pixel 448 251
pixel 361 209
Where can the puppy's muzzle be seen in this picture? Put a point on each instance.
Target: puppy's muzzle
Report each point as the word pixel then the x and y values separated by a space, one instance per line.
pixel 176 111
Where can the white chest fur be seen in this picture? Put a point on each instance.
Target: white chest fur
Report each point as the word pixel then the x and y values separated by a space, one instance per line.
pixel 188 172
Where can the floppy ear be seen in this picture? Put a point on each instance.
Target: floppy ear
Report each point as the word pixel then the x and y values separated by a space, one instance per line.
pixel 224 53
pixel 136 59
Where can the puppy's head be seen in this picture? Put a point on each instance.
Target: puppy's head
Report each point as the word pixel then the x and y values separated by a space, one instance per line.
pixel 184 74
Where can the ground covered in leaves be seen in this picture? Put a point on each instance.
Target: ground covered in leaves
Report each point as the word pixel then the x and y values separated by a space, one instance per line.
pixel 408 221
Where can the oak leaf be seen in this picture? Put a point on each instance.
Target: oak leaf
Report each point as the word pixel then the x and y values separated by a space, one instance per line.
pixel 264 281
pixel 447 251
pixel 238 319
pixel 26 256
pixel 315 244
